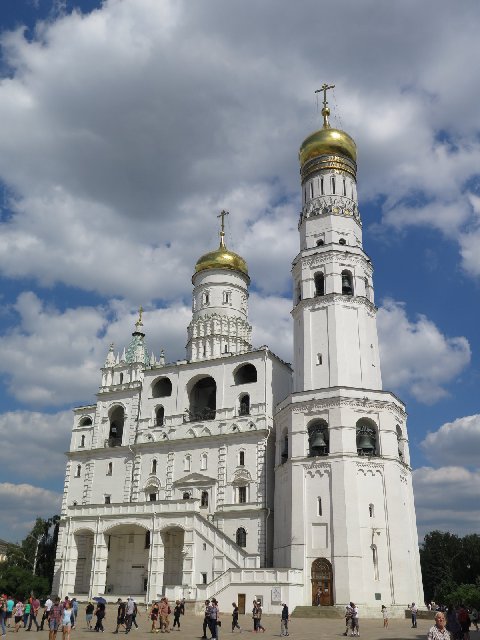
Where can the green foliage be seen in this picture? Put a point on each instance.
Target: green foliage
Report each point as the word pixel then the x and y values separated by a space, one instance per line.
pixel 29 565
pixel 467 594
pixel 19 582
pixel 448 561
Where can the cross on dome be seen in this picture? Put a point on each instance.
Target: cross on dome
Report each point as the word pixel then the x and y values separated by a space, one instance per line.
pixel 222 215
pixel 326 110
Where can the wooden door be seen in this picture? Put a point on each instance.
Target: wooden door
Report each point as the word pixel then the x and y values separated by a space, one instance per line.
pixel 322 583
pixel 241 603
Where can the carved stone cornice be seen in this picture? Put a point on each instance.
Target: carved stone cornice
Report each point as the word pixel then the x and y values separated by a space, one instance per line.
pixel 336 256
pixel 316 469
pixel 320 302
pixel 370 468
pixel 328 205
pixel 313 406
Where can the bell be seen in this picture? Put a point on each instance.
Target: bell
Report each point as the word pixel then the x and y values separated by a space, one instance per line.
pixel 366 443
pixel 318 444
pixel 346 286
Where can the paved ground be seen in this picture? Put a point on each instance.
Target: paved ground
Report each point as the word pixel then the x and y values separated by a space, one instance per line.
pixel 300 629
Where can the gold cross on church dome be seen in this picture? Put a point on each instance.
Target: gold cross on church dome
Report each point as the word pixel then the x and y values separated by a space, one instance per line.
pixel 139 322
pixel 222 215
pixel 325 111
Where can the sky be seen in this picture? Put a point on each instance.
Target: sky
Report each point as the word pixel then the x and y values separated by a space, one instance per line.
pixel 127 125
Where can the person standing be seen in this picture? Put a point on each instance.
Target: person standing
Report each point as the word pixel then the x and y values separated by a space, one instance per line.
pixel 260 627
pixel 235 624
pixel 10 605
pixel 26 612
pixel 284 620
pixel 465 622
pixel 385 616
pixel 54 618
pixel 205 620
pixel 164 619
pixel 46 610
pixel 213 618
pixel 154 617
pixel 89 609
pixel 348 618
pixel 100 615
pixel 129 609
pixel 74 605
pixel 34 608
pixel 355 622
pixel 177 611
pixel 3 615
pixel 67 620
pixel 18 614
pixel 134 615
pixel 413 611
pixel 439 631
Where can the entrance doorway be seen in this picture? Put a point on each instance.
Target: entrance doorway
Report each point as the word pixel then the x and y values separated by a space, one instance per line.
pixel 241 603
pixel 322 583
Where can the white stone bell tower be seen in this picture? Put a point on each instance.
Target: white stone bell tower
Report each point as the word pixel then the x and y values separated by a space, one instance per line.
pixel 219 323
pixel 344 508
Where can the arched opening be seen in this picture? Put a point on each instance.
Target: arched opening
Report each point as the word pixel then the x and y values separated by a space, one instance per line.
pixel 86 422
pixel 376 576
pixel 109 469
pixel 284 443
pixel 187 462
pixel 78 471
pixel 162 388
pixel 245 374
pixel 371 510
pixel 203 399
pixel 154 467
pixel 173 557
pixel 117 419
pixel 121 378
pixel 319 279
pixel 84 544
pixel 318 439
pixel 203 462
pixel 204 499
pixel 186 495
pixel 159 416
pixel 400 443
pixel 127 564
pixel 366 437
pixel 244 405
pixel 82 441
pixel 347 283
pixel 322 582
pixel 241 458
pixel 241 537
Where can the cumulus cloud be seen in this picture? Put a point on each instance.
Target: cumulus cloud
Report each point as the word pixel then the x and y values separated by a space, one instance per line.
pixel 447 499
pixel 454 443
pixel 416 356
pixel 22 504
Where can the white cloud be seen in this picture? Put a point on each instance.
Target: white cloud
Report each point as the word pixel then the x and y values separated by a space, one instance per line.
pixel 22 504
pixel 447 498
pixel 416 356
pixel 454 443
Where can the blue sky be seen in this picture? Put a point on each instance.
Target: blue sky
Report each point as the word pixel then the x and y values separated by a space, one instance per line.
pixel 126 125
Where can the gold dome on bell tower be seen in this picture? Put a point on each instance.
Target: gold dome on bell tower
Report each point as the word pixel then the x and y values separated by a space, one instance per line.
pixel 222 258
pixel 328 148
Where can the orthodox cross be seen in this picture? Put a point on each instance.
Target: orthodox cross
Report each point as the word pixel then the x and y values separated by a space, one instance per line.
pixel 222 215
pixel 325 111
pixel 139 322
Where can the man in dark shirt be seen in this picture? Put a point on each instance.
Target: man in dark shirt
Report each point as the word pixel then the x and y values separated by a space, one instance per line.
pixel 120 615
pixel 284 621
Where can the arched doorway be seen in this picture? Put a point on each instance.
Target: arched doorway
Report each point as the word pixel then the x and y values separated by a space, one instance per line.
pixel 322 583
pixel 127 567
pixel 84 542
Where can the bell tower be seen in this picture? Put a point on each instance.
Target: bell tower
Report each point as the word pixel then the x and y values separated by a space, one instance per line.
pixel 344 509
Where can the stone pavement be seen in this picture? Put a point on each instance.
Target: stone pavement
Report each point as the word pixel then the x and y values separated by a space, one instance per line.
pixel 300 628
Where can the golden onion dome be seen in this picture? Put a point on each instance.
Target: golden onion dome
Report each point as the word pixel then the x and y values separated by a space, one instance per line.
pixel 327 142
pixel 222 258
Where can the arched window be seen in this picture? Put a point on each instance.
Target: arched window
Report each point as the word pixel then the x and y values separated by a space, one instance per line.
pixel 117 419
pixel 241 458
pixel 284 454
pixel 241 537
pixel 347 283
pixel 109 469
pixel 154 467
pixel 204 499
pixel 186 495
pixel 203 461
pixel 82 441
pixel 159 416
pixel 319 284
pixel 242 494
pixel 187 462
pixel 245 374
pixel 366 437
pixel 78 472
pixel 318 438
pixel 371 510
pixel 375 563
pixel 206 298
pixel 400 442
pixel 86 421
pixel 245 405
pixel 203 400
pixel 162 388
pixel 121 378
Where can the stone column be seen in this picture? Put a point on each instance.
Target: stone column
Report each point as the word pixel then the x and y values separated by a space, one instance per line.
pixel 98 577
pixel 155 576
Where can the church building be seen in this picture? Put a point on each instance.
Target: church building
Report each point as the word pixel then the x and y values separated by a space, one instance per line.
pixel 232 474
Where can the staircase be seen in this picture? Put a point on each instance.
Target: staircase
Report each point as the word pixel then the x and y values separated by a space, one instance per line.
pixel 319 612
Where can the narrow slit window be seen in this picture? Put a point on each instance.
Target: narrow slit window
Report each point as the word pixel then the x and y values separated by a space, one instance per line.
pixel 321 186
pixel 109 468
pixel 311 189
pixel 319 358
pixel 333 186
pixel 241 458
pixel 371 510
pixel 344 187
pixel 319 506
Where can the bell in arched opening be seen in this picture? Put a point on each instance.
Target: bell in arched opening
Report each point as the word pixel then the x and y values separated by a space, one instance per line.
pixel 347 289
pixel 318 439
pixel 366 441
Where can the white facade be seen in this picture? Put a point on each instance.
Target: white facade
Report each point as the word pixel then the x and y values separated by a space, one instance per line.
pixel 228 473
